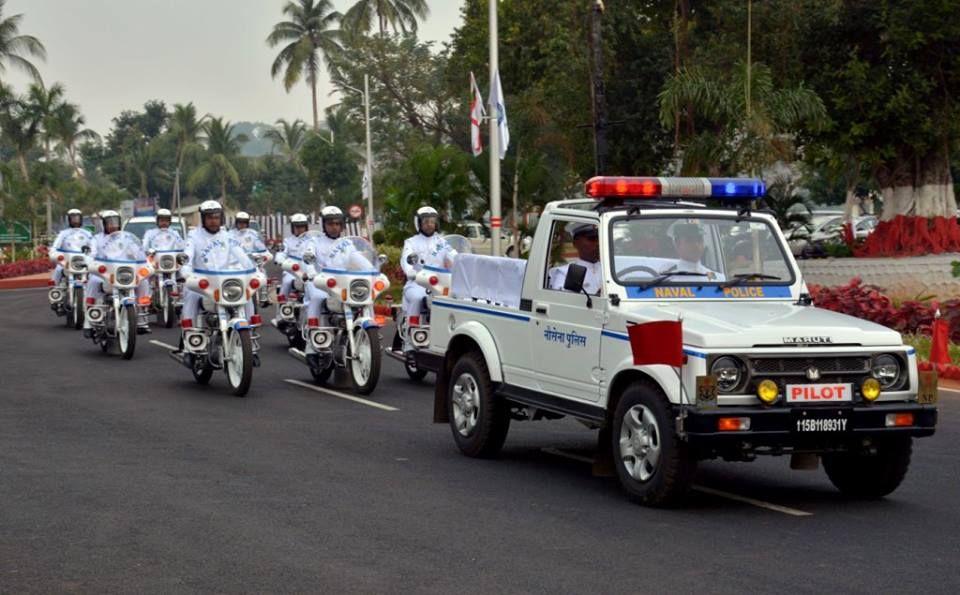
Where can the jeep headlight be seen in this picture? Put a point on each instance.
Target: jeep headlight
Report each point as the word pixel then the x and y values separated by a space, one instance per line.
pixel 125 276
pixel 728 372
pixel 886 369
pixel 359 290
pixel 232 290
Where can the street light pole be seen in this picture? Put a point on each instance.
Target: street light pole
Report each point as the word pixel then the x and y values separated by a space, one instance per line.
pixel 369 167
pixel 495 220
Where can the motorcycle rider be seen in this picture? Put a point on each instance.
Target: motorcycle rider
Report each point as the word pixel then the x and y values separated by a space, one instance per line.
pixel 429 248
pixel 333 221
pixel 241 221
pixel 111 223
pixel 164 219
pixel 292 248
pixel 74 221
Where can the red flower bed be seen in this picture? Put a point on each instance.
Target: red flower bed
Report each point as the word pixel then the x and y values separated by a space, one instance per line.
pixel 866 302
pixel 24 267
pixel 908 236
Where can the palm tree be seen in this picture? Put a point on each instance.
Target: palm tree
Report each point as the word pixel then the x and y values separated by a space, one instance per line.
pixel 20 125
pixel 144 160
pixel 395 13
pixel 186 128
pixel 308 33
pixel 289 137
pixel 220 158
pixel 45 101
pixel 66 125
pixel 13 46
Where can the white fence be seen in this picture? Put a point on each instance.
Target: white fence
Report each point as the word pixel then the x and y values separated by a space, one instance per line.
pixel 278 226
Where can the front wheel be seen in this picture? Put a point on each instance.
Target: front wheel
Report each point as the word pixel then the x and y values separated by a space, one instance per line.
pixel 654 465
pixel 870 476
pixel 127 331
pixel 479 419
pixel 364 364
pixel 78 304
pixel 239 363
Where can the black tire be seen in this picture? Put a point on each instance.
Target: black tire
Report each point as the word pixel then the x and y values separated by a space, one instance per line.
pixel 245 376
pixel 490 416
pixel 323 376
pixel 297 340
pixel 130 320
pixel 870 476
pixel 376 353
pixel 669 478
pixel 68 320
pixel 202 373
pixel 78 308
pixel 416 374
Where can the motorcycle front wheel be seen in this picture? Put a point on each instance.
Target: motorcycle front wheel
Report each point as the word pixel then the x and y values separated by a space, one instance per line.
pixel 239 364
pixel 364 365
pixel 76 316
pixel 127 331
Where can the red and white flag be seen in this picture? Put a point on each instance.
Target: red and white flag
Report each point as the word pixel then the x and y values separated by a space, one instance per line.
pixel 477 114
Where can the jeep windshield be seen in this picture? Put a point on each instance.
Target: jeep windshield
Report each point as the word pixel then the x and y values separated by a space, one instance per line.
pixel 713 252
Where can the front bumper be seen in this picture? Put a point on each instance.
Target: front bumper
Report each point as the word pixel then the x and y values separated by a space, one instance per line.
pixel 778 426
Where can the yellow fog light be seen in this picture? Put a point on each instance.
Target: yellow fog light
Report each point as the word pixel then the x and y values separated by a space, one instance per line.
pixel 768 391
pixel 870 389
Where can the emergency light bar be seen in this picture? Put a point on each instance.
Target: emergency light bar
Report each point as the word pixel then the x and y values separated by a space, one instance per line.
pixel 637 187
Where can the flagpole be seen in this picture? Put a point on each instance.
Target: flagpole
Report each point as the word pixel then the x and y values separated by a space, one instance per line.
pixel 366 108
pixel 495 220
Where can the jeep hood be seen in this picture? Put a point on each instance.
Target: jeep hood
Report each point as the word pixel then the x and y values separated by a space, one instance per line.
pixel 744 324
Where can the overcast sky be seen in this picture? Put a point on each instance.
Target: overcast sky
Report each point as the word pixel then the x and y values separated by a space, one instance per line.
pixel 114 55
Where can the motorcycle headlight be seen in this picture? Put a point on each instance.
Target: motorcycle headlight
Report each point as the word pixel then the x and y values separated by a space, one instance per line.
pixel 167 262
pixel 886 369
pixel 78 263
pixel 232 290
pixel 125 276
pixel 359 290
pixel 728 372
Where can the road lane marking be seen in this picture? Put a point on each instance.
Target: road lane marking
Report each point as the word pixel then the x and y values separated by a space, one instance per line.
pixel 752 501
pixel 949 390
pixel 164 345
pixel 334 393
pixel 713 492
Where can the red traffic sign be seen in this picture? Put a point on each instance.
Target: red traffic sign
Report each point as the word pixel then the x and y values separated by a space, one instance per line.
pixel 355 211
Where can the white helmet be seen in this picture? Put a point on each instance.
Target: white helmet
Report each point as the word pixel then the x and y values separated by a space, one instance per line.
pixel 329 214
pixel 242 216
pixel 164 214
pixel 108 215
pixel 425 213
pixel 74 215
pixel 297 220
pixel 209 207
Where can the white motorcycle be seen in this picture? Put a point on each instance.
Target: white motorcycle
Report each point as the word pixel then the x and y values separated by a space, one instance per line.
pixel 415 333
pixel 121 264
pixel 289 320
pixel 223 338
pixel 349 335
pixel 66 299
pixel 166 255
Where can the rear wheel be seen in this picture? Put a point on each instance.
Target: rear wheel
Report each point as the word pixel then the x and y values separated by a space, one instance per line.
pixel 239 365
pixel 870 476
pixel 322 376
pixel 479 419
pixel 202 372
pixel 365 363
pixel 653 464
pixel 415 373
pixel 127 331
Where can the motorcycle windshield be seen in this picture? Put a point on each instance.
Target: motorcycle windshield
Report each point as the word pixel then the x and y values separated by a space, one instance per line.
pixel 458 244
pixel 223 257
pixel 166 241
pixel 74 241
pixel 250 241
pixel 122 247
pixel 353 255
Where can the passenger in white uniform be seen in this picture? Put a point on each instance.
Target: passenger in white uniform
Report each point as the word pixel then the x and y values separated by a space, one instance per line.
pixel 689 243
pixel 587 242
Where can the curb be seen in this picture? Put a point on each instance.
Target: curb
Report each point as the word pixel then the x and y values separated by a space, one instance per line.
pixel 29 282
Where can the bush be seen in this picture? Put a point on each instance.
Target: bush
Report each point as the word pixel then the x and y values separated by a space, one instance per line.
pixel 24 267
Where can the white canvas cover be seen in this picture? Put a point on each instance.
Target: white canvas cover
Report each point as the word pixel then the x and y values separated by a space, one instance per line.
pixel 491 279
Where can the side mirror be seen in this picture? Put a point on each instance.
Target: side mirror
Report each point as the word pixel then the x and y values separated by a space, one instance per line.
pixel 85 249
pixel 309 257
pixel 382 258
pixel 574 281
pixel 151 252
pixel 182 259
pixel 412 259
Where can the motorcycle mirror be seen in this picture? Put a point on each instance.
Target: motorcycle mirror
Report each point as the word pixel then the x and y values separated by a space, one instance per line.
pixel 151 252
pixel 382 258
pixel 309 257
pixel 412 259
pixel 85 249
pixel 182 259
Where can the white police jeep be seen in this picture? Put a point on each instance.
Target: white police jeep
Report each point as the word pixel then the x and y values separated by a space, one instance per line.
pixel 763 370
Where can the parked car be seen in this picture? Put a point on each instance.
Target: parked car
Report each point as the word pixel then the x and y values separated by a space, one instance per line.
pixel 810 243
pixel 480 239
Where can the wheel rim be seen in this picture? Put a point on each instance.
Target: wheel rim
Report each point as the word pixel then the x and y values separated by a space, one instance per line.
pixel 640 443
pixel 122 338
pixel 361 359
pixel 466 404
pixel 235 367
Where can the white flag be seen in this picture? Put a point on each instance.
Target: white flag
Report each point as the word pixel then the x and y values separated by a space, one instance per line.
pixel 367 188
pixel 496 103
pixel 477 114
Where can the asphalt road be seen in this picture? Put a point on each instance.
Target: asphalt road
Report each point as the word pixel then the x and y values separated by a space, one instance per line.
pixel 127 476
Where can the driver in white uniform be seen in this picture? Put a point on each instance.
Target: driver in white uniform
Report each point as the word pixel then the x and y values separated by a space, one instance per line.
pixel 689 243
pixel 586 240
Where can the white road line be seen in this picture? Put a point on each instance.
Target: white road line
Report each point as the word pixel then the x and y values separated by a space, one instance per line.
pixel 164 345
pixel 752 501
pixel 334 393
pixel 949 390
pixel 699 488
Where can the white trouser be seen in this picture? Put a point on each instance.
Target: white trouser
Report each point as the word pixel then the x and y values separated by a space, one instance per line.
pixel 57 275
pixel 314 300
pixel 413 295
pixel 286 283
